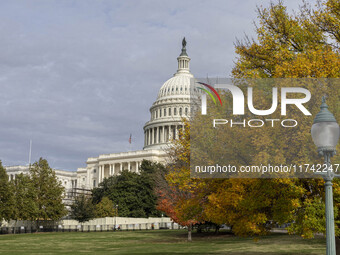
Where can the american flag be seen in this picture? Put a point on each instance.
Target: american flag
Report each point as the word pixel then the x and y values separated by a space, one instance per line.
pixel 130 138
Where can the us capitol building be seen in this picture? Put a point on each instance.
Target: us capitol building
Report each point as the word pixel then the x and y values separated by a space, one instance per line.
pixel 172 104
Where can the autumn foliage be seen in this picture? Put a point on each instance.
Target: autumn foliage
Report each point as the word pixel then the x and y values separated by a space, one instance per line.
pixel 302 45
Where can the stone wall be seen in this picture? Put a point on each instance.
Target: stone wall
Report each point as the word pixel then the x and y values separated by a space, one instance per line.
pixel 106 223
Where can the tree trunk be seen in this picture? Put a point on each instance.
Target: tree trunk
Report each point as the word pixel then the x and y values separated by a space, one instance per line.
pixel 37 226
pixel 15 225
pixel 189 232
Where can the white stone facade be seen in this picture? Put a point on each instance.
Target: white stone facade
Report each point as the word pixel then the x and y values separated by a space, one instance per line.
pixel 107 165
pixel 171 106
pixel 67 178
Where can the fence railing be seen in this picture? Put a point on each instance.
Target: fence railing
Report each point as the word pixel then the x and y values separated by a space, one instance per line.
pixel 87 228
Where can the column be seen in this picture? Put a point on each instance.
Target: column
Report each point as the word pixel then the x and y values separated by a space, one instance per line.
pixel 157 135
pixel 153 136
pixel 121 167
pixel 161 134
pixel 113 169
pixel 176 132
pixel 149 136
pixel 145 138
pixel 170 133
pixel 110 171
pixel 88 178
pixel 164 134
pixel 129 166
pixel 137 167
pixel 99 174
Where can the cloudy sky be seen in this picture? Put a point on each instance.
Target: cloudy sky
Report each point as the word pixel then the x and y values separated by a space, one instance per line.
pixel 77 77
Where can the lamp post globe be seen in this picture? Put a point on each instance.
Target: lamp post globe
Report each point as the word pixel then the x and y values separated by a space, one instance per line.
pixel 325 130
pixel 325 133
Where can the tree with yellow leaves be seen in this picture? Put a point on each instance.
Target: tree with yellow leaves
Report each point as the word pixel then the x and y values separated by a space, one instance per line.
pixel 304 45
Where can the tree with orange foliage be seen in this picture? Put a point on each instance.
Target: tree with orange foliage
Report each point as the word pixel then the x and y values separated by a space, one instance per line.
pixel 177 191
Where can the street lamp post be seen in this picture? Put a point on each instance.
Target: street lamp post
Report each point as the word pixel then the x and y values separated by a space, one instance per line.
pixel 325 133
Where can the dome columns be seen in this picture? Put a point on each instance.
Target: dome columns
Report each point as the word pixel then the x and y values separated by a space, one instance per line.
pixel 157 135
pixel 183 64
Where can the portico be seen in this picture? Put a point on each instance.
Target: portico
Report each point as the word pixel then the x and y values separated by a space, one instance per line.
pixel 107 165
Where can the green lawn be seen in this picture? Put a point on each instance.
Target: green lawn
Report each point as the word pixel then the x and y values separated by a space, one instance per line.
pixel 156 242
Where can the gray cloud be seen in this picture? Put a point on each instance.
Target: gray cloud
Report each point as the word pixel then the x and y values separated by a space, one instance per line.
pixel 77 77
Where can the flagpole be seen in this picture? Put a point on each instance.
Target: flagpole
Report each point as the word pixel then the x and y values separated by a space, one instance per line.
pixel 30 154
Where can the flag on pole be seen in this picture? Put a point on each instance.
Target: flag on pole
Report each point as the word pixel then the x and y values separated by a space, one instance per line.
pixel 130 139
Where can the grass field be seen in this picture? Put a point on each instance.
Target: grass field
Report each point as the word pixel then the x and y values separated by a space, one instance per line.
pixel 156 242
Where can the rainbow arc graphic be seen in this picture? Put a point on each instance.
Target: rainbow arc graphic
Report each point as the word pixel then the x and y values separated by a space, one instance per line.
pixel 209 93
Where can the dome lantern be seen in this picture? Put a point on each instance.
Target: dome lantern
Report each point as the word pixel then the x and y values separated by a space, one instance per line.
pixel 183 60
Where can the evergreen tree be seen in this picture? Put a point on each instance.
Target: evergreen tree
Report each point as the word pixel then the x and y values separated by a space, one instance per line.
pixel 83 209
pixel 48 192
pixel 25 198
pixel 6 196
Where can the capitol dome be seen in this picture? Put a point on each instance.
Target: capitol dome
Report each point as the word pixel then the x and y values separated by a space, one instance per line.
pixel 179 85
pixel 171 106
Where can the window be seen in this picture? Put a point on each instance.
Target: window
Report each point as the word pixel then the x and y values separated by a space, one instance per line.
pixel 94 170
pixel 83 179
pixel 175 111
pixel 169 111
pixel 180 111
pixel 94 183
pixel 186 111
pixel 164 112
pixel 156 114
pixel 160 113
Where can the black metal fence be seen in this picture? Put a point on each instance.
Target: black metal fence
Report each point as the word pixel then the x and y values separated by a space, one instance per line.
pixel 87 228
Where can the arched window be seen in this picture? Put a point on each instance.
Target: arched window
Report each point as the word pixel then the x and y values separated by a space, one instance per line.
pixel 175 111
pixel 186 111
pixel 180 111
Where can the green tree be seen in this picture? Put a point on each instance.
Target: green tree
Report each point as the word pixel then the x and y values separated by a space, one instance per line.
pixel 105 208
pixel 24 196
pixel 132 192
pixel 83 208
pixel 6 196
pixel 48 192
